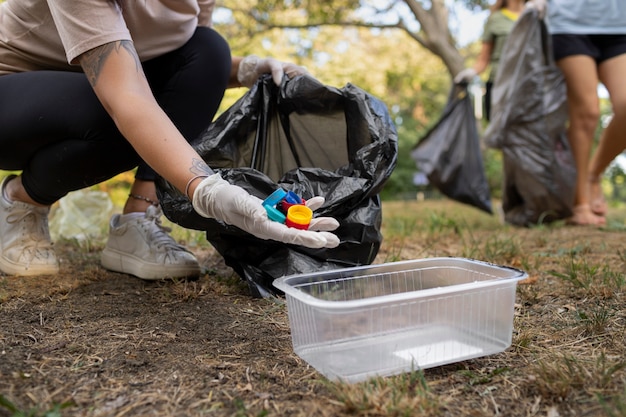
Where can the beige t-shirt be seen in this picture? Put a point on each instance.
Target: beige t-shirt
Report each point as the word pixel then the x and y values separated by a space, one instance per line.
pixel 50 34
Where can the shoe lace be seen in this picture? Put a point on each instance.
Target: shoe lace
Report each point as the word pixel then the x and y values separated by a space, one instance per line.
pixel 35 234
pixel 158 233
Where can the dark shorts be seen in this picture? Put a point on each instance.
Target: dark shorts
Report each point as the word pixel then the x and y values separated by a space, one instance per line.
pixel 599 47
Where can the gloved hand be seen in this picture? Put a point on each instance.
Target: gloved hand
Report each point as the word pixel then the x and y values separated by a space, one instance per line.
pixel 320 223
pixel 218 199
pixel 252 67
pixel 540 5
pixel 465 76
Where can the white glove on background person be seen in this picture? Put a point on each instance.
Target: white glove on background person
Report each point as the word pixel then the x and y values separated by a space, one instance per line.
pixel 252 67
pixel 540 5
pixel 218 199
pixel 465 76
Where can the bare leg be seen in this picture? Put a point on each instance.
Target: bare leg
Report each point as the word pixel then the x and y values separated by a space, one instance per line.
pixel 613 140
pixel 583 104
pixel 142 195
pixel 15 191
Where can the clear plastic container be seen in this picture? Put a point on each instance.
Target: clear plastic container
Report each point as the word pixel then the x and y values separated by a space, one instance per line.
pixel 356 323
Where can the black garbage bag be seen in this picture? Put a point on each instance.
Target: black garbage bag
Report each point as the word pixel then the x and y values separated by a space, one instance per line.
pixel 309 138
pixel 528 124
pixel 450 155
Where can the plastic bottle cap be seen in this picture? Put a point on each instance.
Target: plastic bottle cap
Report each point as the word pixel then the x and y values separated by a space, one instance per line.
pixel 293 198
pixel 298 216
pixel 275 198
pixel 284 205
pixel 274 214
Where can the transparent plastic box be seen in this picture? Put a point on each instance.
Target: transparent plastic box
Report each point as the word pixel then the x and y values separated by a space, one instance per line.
pixel 356 323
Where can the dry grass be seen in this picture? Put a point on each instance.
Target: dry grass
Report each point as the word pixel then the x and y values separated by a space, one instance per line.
pixel 92 343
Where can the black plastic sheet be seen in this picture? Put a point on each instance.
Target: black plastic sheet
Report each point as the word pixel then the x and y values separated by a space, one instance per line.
pixel 314 140
pixel 528 123
pixel 450 155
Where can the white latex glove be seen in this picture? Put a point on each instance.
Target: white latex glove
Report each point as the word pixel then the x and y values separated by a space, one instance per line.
pixel 252 67
pixel 218 199
pixel 540 5
pixel 320 223
pixel 465 76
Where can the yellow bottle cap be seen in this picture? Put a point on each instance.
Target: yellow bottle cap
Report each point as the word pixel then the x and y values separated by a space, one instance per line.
pixel 299 215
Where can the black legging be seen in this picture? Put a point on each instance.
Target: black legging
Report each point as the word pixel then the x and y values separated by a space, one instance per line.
pixel 54 129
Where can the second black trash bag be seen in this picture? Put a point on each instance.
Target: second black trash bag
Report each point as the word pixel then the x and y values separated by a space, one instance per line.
pixel 450 156
pixel 314 140
pixel 528 124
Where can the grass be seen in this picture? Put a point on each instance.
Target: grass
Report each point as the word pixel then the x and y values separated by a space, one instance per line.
pixel 55 411
pixel 560 375
pixel 591 313
pixel 404 396
pixel 567 356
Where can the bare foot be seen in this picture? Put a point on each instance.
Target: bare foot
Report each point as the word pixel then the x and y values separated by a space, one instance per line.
pixel 583 216
pixel 598 203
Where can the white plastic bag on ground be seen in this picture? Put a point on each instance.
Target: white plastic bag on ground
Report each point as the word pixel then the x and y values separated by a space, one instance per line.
pixel 83 216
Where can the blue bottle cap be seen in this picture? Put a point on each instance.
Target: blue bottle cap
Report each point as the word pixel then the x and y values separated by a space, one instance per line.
pixel 275 198
pixel 293 198
pixel 274 214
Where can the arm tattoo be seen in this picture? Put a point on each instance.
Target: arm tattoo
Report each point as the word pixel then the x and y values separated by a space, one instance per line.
pixel 200 167
pixel 92 61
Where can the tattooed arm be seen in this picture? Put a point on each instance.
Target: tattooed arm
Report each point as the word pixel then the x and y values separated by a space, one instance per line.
pixel 116 75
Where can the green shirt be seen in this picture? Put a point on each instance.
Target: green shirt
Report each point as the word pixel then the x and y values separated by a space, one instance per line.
pixel 497 29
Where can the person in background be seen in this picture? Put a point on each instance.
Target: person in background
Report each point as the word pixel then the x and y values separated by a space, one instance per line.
pixel 504 14
pixel 93 88
pixel 589 45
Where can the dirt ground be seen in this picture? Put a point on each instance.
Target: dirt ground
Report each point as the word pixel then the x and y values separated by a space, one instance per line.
pixel 89 342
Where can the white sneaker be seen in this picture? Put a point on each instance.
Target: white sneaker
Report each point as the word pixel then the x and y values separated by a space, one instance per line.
pixel 140 245
pixel 25 245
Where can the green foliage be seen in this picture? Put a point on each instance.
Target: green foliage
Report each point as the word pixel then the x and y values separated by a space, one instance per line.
pixel 400 184
pixel 316 11
pixel 492 162
pixel 476 5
